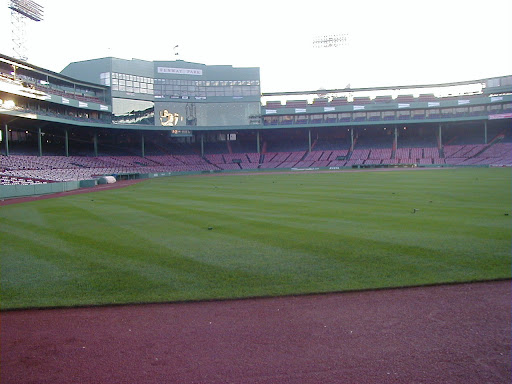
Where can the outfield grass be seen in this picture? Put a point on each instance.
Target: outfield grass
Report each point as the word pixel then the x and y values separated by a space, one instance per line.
pixel 271 234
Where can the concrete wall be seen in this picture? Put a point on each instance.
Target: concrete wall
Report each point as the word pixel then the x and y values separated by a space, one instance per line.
pixel 9 191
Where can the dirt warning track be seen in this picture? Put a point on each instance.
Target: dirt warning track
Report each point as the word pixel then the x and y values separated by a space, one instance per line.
pixel 441 334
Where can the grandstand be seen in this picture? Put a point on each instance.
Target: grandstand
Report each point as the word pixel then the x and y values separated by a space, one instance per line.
pixel 131 117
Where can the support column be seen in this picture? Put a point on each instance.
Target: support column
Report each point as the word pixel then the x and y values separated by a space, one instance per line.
pixel 396 138
pixel 143 154
pixel 66 142
pixel 95 144
pixel 309 140
pixel 440 136
pixel 6 138
pixel 39 141
pixel 258 141
pixel 351 139
pixel 202 145
pixel 485 132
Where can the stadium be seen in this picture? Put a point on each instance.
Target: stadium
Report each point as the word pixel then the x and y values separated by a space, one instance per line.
pixel 133 118
pixel 167 221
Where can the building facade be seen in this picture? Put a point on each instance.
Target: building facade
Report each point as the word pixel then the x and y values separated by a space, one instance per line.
pixel 178 95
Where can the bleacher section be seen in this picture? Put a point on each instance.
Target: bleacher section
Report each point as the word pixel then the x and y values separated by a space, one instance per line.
pixel 368 150
pixel 61 168
pixel 234 161
pixel 498 154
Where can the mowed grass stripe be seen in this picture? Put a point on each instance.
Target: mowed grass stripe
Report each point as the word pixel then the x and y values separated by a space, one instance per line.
pixel 154 260
pixel 272 235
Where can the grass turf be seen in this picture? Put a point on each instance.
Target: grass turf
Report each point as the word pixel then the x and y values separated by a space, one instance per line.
pixel 272 234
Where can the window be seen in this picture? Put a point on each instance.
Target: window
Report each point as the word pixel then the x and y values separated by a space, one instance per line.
pixel 496 107
pixel 105 78
pixel 202 88
pixel 493 83
pixel 132 112
pixel 477 109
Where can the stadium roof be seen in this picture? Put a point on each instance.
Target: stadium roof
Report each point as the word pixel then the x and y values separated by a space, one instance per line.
pixel 46 72
pixel 390 87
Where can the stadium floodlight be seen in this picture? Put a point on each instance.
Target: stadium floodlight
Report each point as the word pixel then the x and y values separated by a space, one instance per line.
pixel 9 104
pixel 27 8
pixel 330 41
pixel 20 11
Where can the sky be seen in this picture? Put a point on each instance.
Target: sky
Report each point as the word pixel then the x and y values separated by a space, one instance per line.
pixel 390 42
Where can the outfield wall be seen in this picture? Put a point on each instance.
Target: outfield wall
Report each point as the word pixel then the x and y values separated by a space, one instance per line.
pixel 10 191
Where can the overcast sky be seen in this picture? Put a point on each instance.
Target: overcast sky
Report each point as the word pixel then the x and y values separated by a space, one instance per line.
pixel 390 42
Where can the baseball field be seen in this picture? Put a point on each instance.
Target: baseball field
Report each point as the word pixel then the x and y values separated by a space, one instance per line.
pixel 195 238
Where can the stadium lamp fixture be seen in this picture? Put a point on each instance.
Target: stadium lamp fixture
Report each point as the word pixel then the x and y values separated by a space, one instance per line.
pixel 8 104
pixel 27 8
pixel 330 41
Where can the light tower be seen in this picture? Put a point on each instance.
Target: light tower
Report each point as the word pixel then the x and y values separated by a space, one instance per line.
pixel 334 55
pixel 21 10
pixel 330 41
